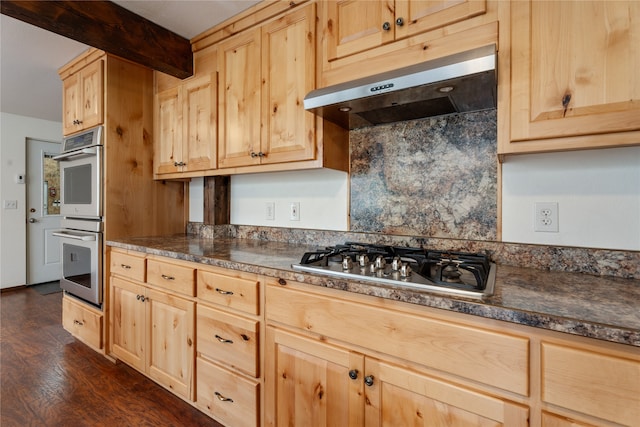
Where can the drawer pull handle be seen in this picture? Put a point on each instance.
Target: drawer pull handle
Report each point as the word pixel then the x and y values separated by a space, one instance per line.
pixel 165 277
pixel 125 266
pixel 223 340
pixel 77 322
pixel 223 292
pixel 222 398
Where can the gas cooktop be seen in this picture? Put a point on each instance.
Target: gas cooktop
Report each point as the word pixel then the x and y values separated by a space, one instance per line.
pixel 466 274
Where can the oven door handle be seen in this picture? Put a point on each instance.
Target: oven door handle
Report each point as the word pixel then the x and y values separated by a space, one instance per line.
pixel 85 152
pixel 84 237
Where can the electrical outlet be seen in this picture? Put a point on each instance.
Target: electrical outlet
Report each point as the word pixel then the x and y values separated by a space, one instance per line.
pixel 270 211
pixel 10 204
pixel 294 211
pixel 545 217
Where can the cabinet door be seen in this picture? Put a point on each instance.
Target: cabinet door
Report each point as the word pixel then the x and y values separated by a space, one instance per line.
pixel 592 383
pixel 288 72
pixel 83 322
pixel 239 103
pixel 82 100
pixel 311 383
pixel 200 119
pixel 574 72
pixel 354 26
pixel 419 16
pixel 71 101
pixel 551 420
pixel 128 322
pixel 171 346
pixel 168 124
pixel 399 397
pixel 92 90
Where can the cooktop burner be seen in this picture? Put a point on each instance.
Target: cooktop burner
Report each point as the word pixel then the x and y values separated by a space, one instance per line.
pixel 468 274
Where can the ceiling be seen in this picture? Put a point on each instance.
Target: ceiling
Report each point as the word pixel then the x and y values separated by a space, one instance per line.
pixel 30 56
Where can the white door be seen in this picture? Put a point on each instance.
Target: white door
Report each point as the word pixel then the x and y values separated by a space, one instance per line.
pixel 43 212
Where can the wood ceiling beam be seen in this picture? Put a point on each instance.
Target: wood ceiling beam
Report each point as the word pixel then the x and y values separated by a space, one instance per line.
pixel 111 28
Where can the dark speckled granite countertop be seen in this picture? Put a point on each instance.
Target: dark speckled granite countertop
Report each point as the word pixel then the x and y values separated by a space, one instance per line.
pixel 592 306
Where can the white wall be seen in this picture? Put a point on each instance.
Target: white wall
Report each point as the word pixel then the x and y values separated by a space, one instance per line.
pixel 14 131
pixel 597 191
pixel 323 196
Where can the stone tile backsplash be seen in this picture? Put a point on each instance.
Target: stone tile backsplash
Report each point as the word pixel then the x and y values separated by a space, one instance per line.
pixel 433 177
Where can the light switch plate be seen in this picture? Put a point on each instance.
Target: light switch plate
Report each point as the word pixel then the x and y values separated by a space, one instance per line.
pixel 10 204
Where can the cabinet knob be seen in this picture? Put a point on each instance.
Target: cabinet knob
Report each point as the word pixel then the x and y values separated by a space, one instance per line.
pixel 400 22
pixel 282 282
pixel 254 155
pixel 368 380
pixel 386 26
pixel 353 374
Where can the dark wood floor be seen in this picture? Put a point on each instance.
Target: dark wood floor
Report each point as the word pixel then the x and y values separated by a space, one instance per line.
pixel 47 378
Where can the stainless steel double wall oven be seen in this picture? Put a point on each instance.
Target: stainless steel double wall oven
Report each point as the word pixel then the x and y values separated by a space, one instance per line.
pixel 81 204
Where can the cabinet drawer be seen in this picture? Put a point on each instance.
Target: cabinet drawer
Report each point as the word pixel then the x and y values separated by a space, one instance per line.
pixel 128 265
pixel 227 338
pixel 173 277
pixel 592 383
pixel 229 398
pixel 83 322
pixel 493 358
pixel 239 293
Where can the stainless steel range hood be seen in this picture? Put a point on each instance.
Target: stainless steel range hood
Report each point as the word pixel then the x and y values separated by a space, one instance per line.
pixel 458 83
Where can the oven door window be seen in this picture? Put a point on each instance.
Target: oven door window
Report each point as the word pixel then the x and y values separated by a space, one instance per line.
pixel 77 184
pixel 76 266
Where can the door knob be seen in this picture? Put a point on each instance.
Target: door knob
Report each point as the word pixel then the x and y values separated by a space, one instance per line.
pixel 32 220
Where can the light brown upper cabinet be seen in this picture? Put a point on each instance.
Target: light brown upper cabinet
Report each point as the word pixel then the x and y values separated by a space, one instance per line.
pixel 575 80
pixel 239 103
pixel 264 75
pixel 186 127
pixel 82 99
pixel 356 26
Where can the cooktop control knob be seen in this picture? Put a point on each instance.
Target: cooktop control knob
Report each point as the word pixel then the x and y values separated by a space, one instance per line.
pixel 347 264
pixel 380 263
pixel 363 260
pixel 396 264
pixel 405 270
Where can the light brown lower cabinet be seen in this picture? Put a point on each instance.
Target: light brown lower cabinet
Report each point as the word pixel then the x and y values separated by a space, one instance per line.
pixel 232 399
pixel 553 420
pixel 319 384
pixel 273 352
pixel 153 331
pixel 83 322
